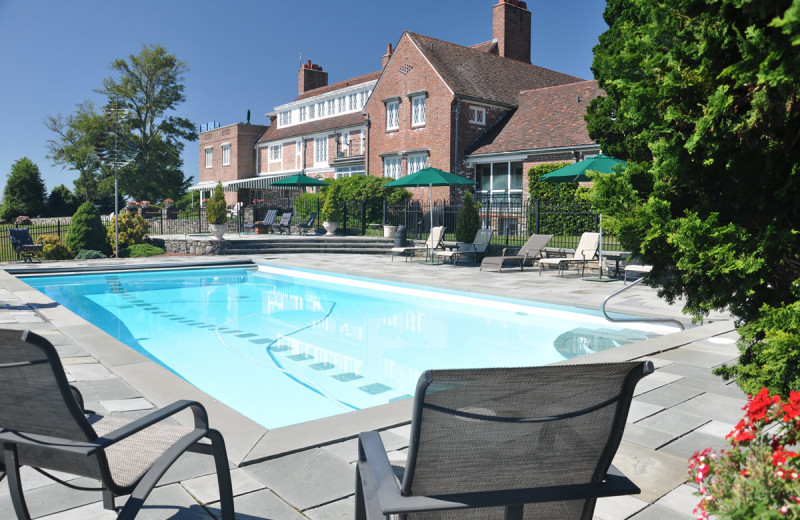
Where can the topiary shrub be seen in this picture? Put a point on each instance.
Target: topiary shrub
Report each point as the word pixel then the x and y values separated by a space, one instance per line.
pixel 468 222
pixel 216 208
pixel 88 254
pixel 133 229
pixel 53 248
pixel 332 209
pixel 140 250
pixel 87 231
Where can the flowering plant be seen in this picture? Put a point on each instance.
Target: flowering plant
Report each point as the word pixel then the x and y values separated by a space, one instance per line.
pixel 131 203
pixel 759 477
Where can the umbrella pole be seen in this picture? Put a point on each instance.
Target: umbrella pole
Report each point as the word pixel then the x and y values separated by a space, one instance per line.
pixel 430 187
pixel 600 247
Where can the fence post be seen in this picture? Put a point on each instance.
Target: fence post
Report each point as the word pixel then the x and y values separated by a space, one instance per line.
pixel 363 218
pixel 537 216
pixel 58 229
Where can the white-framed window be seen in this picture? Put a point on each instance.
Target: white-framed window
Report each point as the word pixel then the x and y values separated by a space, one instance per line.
pixel 391 167
pixel 345 142
pixel 392 115
pixel 348 171
pixel 209 157
pixel 340 104
pixel 321 150
pixel 226 154
pixel 275 152
pixel 311 111
pixel 415 163
pixel 298 147
pixel 301 114
pixel 418 111
pixel 286 118
pixel 321 109
pixel 352 100
pixel 500 181
pixel 477 115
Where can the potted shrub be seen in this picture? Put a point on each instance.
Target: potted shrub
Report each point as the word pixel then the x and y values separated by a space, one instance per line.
pixel 216 213
pixel 332 209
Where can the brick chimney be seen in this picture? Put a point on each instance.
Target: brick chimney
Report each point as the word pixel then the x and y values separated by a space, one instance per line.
pixel 311 77
pixel 511 27
pixel 387 55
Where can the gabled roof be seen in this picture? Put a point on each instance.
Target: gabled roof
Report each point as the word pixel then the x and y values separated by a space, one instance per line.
pixel 551 117
pixel 274 133
pixel 342 84
pixel 473 73
pixel 490 46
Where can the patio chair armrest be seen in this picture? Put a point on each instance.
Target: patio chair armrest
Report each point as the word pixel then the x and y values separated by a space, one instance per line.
pixel 55 443
pixel 200 421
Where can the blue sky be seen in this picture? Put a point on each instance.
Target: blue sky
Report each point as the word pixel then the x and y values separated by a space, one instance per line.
pixel 241 54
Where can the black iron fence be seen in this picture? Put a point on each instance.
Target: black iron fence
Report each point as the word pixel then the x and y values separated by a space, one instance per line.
pixel 513 221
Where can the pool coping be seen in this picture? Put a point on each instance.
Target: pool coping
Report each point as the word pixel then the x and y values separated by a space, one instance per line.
pixel 247 441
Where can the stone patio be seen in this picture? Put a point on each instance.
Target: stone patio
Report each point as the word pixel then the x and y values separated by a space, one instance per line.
pixel 306 471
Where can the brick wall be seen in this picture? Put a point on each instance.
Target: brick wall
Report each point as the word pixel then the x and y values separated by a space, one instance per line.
pixel 240 137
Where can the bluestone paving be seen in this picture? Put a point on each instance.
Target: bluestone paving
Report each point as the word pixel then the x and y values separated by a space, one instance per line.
pixel 306 471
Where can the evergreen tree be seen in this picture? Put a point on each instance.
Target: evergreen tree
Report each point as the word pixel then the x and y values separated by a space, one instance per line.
pixel 25 191
pixel 468 222
pixel 61 202
pixel 87 231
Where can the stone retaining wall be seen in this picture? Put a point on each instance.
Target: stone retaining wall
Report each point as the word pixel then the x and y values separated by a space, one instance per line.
pixel 192 246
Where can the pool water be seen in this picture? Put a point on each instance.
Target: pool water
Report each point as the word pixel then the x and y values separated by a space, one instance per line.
pixel 287 346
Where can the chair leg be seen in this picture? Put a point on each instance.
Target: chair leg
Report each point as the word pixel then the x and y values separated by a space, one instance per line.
pixel 14 483
pixel 109 501
pixel 223 474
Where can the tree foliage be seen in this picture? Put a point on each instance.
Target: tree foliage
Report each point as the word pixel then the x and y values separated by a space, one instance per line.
pixel 132 230
pixel 705 97
pixel 150 86
pixel 86 231
pixel 25 191
pixel 61 202
pixel 557 192
pixel 468 222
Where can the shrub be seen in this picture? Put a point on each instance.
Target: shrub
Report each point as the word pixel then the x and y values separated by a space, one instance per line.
pixel 216 208
pixel 88 254
pixel 306 203
pixel 87 230
pixel 468 222
pixel 332 210
pixel 133 229
pixel 53 248
pixel 140 250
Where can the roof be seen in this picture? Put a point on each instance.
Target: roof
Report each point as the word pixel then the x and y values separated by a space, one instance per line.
pixel 551 117
pixel 490 46
pixel 273 133
pixel 474 73
pixel 372 76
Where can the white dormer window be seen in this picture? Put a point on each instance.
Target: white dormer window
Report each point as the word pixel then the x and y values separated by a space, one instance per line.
pixel 302 114
pixel 321 109
pixel 418 111
pixel 477 115
pixel 311 112
pixel 275 152
pixel 392 119
pixel 286 118
pixel 340 104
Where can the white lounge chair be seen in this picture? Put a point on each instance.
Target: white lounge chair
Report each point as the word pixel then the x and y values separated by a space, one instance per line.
pixel 584 253
pixel 477 247
pixel 433 242
pixel 636 268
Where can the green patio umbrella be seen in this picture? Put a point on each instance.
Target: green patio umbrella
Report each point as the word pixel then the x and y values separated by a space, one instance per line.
pixel 430 177
pixel 298 180
pixel 576 172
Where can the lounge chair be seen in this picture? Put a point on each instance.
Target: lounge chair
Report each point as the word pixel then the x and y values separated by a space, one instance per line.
pixel 635 268
pixel 529 252
pixel 23 245
pixel 584 253
pixel 44 426
pixel 534 441
pixel 284 225
pixel 433 242
pixel 269 220
pixel 308 225
pixel 477 247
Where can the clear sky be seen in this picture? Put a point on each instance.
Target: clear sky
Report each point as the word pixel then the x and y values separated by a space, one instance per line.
pixel 241 54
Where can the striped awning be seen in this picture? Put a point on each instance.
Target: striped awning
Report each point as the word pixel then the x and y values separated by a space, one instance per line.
pixel 255 183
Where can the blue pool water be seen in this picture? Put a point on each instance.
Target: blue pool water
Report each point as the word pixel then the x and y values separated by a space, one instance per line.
pixel 286 346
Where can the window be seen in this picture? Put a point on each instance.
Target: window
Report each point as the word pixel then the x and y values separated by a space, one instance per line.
pixel 311 112
pixel 298 147
pixel 275 152
pixel 321 109
pixel 340 102
pixel 209 157
pixel 302 114
pixel 500 181
pixel 392 120
pixel 321 150
pixel 226 155
pixel 418 111
pixel 345 142
pixel 415 163
pixel 286 118
pixel 477 115
pixel 348 171
pixel 352 100
pixel 391 167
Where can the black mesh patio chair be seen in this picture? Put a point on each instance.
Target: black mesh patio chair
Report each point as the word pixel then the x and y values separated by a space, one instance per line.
pixel 308 225
pixel 505 443
pixel 44 426
pixel 23 245
pixel 269 220
pixel 283 225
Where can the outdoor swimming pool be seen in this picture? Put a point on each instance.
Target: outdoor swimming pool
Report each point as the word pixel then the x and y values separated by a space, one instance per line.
pixel 285 346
